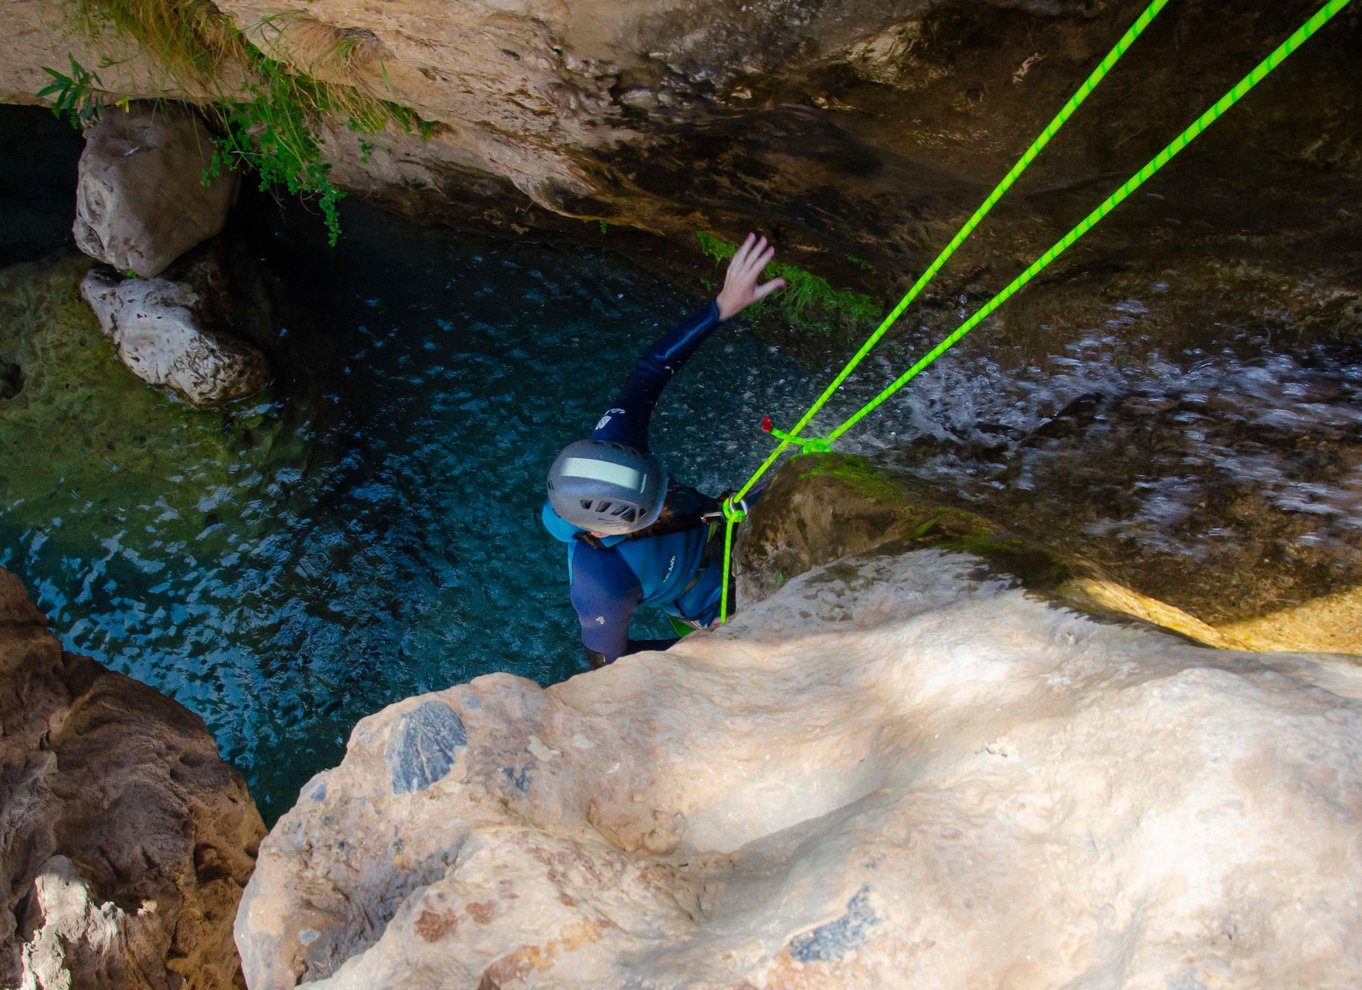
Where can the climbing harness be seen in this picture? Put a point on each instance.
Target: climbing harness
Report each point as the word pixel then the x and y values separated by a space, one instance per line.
pixel 733 514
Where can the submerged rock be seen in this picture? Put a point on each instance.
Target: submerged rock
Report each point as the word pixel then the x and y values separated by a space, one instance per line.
pixel 141 201
pixel 162 335
pixel 126 839
pixel 899 770
pixel 105 442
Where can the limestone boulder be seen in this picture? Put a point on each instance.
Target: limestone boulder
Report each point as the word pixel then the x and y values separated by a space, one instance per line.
pixel 141 201
pixel 125 840
pixel 899 770
pixel 164 334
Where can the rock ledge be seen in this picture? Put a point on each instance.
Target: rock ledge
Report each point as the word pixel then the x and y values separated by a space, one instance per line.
pixel 126 839
pixel 900 770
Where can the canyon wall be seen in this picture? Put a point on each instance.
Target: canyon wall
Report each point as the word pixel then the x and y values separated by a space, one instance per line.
pixel 126 840
pixel 859 134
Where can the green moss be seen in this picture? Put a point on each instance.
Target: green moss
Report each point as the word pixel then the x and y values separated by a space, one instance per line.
pixel 942 526
pixel 954 529
pixel 856 474
pixel 80 430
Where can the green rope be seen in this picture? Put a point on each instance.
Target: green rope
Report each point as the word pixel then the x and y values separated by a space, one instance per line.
pixel 1240 89
pixel 1208 118
pixel 732 516
pixel 1051 129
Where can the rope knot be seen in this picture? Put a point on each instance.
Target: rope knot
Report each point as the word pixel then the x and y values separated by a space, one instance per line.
pixel 807 445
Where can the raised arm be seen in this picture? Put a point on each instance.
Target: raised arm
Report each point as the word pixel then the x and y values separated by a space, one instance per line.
pixel 627 419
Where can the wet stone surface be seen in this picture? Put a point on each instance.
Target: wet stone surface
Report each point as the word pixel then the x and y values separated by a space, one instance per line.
pixel 1231 486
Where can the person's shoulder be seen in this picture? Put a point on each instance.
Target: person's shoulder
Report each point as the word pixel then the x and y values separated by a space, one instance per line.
pixel 558 527
pixel 601 569
pixel 593 554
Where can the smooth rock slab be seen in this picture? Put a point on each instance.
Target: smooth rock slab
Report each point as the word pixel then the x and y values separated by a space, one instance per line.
pixel 141 202
pixel 898 771
pixel 160 332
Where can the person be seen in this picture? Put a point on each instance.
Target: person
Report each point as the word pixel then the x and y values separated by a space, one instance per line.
pixel 636 536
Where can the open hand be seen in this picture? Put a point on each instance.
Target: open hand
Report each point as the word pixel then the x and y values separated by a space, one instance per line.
pixel 740 283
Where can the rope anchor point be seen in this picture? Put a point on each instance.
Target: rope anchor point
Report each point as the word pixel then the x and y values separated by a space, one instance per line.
pixel 807 445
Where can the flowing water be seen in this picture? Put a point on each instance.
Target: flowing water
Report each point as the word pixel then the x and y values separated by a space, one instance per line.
pixel 1287 425
pixel 368 529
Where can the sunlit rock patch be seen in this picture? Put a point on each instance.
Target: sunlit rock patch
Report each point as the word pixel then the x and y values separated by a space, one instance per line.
pixel 899 770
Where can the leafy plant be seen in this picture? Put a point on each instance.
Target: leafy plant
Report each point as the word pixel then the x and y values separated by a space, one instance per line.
pixel 272 134
pixel 804 292
pixel 272 122
pixel 274 131
pixel 79 96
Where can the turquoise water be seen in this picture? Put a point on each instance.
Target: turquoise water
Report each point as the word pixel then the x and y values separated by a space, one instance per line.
pixel 367 529
pixel 373 532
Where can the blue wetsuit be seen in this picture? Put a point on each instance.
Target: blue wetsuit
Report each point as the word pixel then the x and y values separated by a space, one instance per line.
pixel 611 576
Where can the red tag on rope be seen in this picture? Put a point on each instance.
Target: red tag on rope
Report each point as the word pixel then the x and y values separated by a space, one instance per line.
pixel 766 424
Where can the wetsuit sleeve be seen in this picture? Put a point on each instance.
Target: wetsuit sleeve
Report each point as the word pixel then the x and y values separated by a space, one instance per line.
pixel 605 593
pixel 626 421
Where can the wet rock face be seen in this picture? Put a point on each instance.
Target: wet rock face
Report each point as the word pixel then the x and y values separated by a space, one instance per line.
pixel 1248 577
pixel 1239 514
pixel 899 770
pixel 141 202
pixel 163 331
pixel 127 840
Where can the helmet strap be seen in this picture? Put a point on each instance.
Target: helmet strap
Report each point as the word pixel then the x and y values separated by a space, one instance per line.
pixel 592 541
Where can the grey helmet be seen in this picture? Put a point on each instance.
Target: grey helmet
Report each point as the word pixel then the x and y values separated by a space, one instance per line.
pixel 607 488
